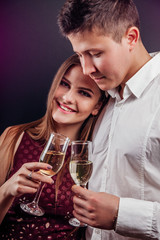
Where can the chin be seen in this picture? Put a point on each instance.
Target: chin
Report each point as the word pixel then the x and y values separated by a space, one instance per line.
pixel 103 87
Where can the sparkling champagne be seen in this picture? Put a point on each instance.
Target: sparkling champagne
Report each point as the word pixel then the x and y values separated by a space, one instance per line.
pixel 55 159
pixel 80 171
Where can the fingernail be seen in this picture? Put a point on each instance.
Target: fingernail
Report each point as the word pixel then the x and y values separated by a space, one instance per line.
pixel 52 182
pixel 49 167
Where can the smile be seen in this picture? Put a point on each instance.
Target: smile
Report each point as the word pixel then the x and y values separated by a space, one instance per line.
pixel 64 108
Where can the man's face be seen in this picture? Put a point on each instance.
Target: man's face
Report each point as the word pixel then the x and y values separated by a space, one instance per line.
pixel 103 59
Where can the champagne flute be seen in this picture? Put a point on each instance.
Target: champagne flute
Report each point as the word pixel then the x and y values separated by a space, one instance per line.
pixel 80 168
pixel 53 154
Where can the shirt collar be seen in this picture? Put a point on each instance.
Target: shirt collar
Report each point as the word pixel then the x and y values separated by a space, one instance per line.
pixel 137 84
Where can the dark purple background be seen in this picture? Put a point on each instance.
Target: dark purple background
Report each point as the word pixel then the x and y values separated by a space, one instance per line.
pixel 31 50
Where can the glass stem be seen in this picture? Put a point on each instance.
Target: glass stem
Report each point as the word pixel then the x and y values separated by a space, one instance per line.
pixel 38 193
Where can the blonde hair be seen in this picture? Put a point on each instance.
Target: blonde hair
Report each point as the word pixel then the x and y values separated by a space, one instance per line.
pixel 41 128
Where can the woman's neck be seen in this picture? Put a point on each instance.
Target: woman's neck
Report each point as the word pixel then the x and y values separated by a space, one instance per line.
pixel 69 131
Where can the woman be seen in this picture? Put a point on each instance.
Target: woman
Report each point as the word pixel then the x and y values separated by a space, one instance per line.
pixel 74 103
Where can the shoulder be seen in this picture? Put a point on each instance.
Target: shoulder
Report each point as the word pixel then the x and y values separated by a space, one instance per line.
pixel 4 134
pixel 9 143
pixel 9 135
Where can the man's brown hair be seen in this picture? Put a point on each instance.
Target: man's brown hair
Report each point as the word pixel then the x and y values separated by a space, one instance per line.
pixel 111 17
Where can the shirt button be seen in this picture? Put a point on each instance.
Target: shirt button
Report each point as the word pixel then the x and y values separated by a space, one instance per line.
pixel 97 231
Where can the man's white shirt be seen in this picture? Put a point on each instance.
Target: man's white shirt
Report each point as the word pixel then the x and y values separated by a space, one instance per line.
pixel 126 156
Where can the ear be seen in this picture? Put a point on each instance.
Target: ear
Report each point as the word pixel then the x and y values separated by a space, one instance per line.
pixel 132 35
pixel 96 109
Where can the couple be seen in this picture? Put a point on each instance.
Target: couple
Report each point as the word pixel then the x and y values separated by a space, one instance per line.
pixel 123 200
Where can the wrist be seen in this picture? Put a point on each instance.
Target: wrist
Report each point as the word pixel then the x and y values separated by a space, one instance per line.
pixel 116 215
pixel 115 221
pixel 5 193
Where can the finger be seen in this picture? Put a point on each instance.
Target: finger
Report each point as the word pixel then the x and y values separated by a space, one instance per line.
pixel 38 177
pixel 80 210
pixel 23 189
pixel 30 182
pixel 79 202
pixel 82 206
pixel 81 218
pixel 81 192
pixel 88 218
pixel 37 165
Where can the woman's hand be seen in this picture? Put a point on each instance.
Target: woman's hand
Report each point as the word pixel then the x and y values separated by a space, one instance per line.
pixel 97 209
pixel 20 183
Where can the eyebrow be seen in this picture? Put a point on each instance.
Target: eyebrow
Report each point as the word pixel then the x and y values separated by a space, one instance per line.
pixel 81 88
pixel 88 89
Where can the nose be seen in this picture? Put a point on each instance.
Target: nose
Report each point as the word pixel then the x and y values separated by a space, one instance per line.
pixel 87 65
pixel 68 97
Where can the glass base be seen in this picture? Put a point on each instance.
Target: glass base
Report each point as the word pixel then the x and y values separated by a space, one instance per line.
pixel 76 223
pixel 32 208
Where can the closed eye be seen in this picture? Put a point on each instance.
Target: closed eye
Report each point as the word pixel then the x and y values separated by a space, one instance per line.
pixel 96 54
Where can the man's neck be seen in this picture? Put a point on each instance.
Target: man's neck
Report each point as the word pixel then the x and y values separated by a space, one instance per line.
pixel 139 58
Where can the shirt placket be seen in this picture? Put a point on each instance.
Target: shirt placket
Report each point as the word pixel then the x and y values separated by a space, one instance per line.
pixel 97 233
pixel 116 112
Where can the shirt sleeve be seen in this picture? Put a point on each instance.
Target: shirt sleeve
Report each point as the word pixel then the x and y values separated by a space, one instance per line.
pixel 138 218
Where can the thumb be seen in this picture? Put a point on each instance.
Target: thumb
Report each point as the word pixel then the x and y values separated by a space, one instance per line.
pixel 81 192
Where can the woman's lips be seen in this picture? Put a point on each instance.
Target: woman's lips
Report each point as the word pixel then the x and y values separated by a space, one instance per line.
pixel 65 108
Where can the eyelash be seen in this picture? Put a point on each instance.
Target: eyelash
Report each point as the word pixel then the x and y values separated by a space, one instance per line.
pixel 91 54
pixel 63 83
pixel 82 92
pixel 96 54
pixel 86 94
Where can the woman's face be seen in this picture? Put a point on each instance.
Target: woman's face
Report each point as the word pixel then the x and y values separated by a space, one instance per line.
pixel 76 98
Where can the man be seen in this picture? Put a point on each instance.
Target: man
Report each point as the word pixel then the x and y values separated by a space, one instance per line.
pixel 125 186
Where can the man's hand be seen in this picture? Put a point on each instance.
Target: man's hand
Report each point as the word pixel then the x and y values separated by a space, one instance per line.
pixel 96 209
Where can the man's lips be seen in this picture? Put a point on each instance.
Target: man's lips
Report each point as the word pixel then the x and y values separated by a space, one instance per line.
pixel 65 108
pixel 97 78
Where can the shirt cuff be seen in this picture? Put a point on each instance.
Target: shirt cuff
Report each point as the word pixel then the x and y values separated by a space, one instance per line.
pixel 134 218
